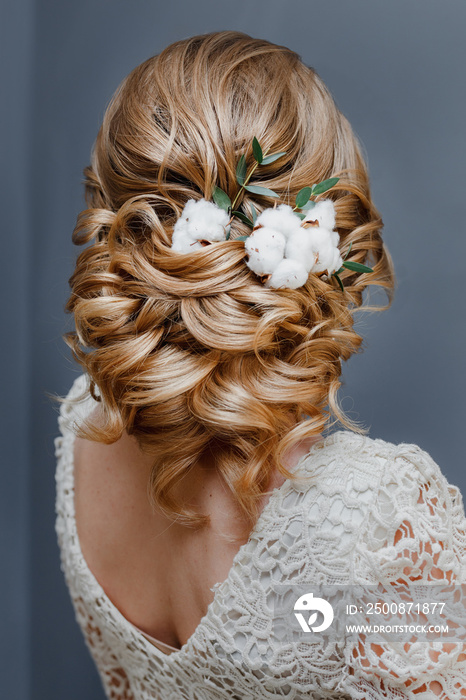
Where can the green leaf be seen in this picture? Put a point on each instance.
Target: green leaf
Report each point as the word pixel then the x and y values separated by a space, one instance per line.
pixel 325 185
pixel 348 251
pixel 241 170
pixel 302 197
pixel 337 272
pixel 243 217
pixel 254 213
pixel 257 150
pixel 357 267
pixel 301 214
pixel 241 238
pixel 272 157
pixel 337 277
pixel 256 189
pixel 221 198
pixel 310 205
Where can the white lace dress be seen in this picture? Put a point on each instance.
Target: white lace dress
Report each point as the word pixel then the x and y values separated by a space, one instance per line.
pixel 374 511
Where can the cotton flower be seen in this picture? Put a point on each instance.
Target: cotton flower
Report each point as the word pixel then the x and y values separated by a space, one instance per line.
pixel 281 218
pixel 328 257
pixel 324 213
pixel 200 220
pixel 265 247
pixel 266 244
pixel 289 273
pixel 280 247
pixel 182 242
pixel 287 251
pixel 299 247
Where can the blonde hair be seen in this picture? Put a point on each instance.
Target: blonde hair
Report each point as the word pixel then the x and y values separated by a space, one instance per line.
pixel 189 352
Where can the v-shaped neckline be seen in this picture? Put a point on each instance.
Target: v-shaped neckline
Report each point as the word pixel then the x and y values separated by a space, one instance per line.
pixel 216 588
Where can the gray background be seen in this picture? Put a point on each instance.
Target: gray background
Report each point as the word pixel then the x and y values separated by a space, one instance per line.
pixel 396 70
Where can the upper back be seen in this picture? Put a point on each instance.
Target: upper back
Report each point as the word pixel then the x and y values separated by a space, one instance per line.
pixel 124 539
pixel 338 523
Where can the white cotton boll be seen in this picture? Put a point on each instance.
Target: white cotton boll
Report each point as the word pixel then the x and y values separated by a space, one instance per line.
pixel 201 209
pixel 329 257
pixel 299 246
pixel 332 260
pixel 265 248
pixel 181 236
pixel 335 236
pixel 324 213
pixel 180 228
pixel 204 220
pixel 329 260
pixel 281 218
pixel 203 231
pixel 290 274
pixel 189 208
pixel 183 243
pixel 320 237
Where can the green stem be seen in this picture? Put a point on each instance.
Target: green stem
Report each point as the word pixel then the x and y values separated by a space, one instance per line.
pixel 246 180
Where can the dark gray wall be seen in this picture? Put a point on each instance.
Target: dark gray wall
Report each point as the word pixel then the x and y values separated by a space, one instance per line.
pixel 396 70
pixel 16 61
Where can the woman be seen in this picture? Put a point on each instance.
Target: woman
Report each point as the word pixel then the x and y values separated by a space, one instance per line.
pixel 193 478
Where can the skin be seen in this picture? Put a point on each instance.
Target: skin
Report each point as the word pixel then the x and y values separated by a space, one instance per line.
pixel 156 572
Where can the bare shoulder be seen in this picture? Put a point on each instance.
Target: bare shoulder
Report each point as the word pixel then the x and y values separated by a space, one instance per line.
pixel 111 502
pixel 123 539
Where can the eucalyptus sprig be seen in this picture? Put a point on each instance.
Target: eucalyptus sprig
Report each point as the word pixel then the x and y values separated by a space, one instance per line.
pixel 353 266
pixel 303 200
pixel 221 198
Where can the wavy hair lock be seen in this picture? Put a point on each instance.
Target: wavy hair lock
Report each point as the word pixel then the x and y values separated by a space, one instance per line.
pixel 191 354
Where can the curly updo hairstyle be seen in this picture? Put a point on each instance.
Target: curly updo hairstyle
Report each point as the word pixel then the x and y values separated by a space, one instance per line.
pixel 189 353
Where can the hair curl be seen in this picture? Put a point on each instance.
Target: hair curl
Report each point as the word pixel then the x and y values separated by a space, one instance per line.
pixel 189 352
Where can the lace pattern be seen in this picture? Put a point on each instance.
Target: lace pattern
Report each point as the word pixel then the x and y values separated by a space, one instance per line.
pixel 373 511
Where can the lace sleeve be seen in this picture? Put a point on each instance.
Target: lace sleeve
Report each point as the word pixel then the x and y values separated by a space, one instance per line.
pixel 112 675
pixel 415 533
